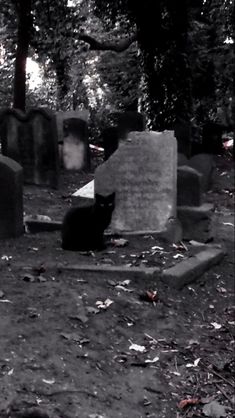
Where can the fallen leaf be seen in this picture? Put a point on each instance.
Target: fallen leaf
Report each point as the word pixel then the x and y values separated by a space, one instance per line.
pixel 75 337
pixel 187 402
pixel 136 347
pixel 105 304
pixel 49 381
pixel 125 289
pixel 214 409
pixel 6 257
pixel 155 247
pixel 216 325
pixel 194 364
pixel 154 360
pixel 178 256
pixel 29 278
pixel 119 242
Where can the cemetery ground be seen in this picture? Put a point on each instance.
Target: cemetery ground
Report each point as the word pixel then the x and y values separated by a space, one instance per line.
pixel 78 344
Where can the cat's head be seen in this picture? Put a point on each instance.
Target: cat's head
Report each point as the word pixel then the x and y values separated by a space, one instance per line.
pixel 105 202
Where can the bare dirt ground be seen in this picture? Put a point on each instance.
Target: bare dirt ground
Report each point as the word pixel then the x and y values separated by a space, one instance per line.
pixel 88 345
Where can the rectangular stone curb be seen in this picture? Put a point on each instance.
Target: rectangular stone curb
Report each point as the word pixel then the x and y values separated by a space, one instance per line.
pixel 187 271
pixel 123 270
pixel 42 226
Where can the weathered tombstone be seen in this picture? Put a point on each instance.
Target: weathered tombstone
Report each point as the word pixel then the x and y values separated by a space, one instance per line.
pixel 110 139
pixel 76 152
pixel 128 122
pixel 189 191
pixel 183 132
pixel 61 117
pixel 11 198
pixel 31 140
pixel 142 172
pixel 205 165
pixel 182 159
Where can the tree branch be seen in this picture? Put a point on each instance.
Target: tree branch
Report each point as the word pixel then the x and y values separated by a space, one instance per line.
pixel 96 45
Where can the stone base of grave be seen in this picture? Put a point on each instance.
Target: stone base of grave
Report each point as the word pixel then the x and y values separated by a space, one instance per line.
pixel 172 232
pixel 196 222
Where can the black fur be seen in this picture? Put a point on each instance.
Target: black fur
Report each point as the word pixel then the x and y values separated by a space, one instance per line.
pixel 83 228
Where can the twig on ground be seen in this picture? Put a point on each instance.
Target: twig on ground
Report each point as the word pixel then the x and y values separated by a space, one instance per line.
pixel 224 393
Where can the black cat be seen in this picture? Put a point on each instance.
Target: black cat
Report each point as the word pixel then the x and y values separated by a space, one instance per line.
pixel 83 228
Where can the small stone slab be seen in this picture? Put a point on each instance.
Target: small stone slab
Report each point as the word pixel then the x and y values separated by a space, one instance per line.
pixel 85 195
pixel 33 226
pixel 188 270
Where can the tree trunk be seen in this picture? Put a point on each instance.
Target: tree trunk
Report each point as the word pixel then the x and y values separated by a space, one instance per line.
pixel 23 39
pixel 163 41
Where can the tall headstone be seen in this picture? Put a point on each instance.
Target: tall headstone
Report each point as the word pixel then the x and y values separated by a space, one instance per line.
pixel 143 173
pixel 76 151
pixel 11 198
pixel 205 165
pixel 183 134
pixel 61 117
pixel 189 188
pixel 31 140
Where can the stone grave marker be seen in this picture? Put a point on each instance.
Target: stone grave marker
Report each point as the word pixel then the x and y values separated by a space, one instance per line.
pixel 61 117
pixel 76 151
pixel 142 172
pixel 183 134
pixel 11 198
pixel 31 140
pixel 205 165
pixel 189 190
pixel 182 159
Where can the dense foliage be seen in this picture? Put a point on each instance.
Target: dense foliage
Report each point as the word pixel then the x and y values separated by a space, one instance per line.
pixel 180 66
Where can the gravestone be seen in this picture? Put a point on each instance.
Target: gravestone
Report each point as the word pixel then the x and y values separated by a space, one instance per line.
pixel 189 190
pixel 182 159
pixel 183 134
pixel 76 152
pixel 61 117
pixel 205 165
pixel 11 198
pixel 142 173
pixel 31 140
